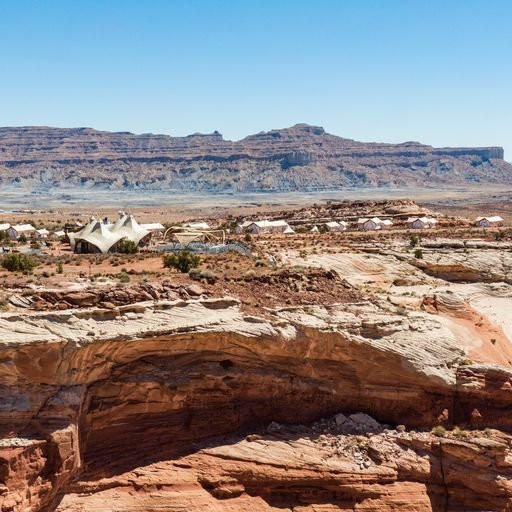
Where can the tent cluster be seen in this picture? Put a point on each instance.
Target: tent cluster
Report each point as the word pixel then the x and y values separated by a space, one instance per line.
pixel 99 236
pixel 336 226
pixel 264 227
pixel 28 230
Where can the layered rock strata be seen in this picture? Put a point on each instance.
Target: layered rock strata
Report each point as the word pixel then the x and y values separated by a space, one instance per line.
pixel 91 395
pixel 301 157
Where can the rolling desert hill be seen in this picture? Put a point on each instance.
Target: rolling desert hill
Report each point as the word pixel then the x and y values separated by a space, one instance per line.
pixel 301 157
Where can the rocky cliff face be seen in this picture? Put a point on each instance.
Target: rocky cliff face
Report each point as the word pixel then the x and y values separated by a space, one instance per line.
pixel 298 158
pixel 180 405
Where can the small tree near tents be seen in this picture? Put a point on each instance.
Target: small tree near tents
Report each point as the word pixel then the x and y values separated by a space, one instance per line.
pixel 183 261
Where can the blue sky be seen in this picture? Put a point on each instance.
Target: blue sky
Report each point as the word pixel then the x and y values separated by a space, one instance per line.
pixel 373 70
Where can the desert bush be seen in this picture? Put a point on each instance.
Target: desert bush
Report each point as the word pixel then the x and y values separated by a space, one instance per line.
pixel 60 267
pixel 208 276
pixel 127 247
pixel 18 263
pixel 123 277
pixel 414 240
pixel 249 275
pixel 418 254
pixel 183 261
pixel 439 431
pixel 461 434
pixel 198 275
pixel 195 274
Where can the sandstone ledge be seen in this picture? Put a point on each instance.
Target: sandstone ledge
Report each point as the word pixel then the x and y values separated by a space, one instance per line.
pixel 164 378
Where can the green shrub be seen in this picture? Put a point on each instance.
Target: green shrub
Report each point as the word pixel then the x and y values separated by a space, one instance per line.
pixel 60 267
pixel 123 277
pixel 414 240
pixel 22 239
pixel 248 237
pixel 418 254
pixel 183 261
pixel 461 434
pixel 127 247
pixel 439 431
pixel 18 262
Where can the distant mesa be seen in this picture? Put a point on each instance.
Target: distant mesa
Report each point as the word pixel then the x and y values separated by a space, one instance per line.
pixel 299 158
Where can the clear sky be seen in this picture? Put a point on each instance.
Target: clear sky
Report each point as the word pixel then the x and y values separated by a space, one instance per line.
pixel 439 72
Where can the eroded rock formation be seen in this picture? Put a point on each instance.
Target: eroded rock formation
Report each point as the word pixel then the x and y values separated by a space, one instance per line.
pixel 298 158
pixel 103 403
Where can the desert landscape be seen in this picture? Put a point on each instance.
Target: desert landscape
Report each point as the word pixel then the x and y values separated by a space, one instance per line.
pixel 309 370
pixel 255 256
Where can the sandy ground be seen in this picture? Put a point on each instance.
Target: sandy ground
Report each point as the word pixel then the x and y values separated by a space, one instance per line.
pixel 170 206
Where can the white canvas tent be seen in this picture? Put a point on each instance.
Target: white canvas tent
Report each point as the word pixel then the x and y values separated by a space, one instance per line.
pixel 42 233
pixel 98 239
pixel 336 226
pixel 129 229
pixel 488 222
pixel 57 234
pixel 97 236
pixel 83 232
pixel 16 231
pixel 373 224
pixel 421 222
pixel 267 226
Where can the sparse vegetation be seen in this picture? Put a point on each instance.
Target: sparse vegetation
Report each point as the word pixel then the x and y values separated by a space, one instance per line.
pixel 18 263
pixel 123 277
pixel 439 431
pixel 461 434
pixel 414 240
pixel 418 254
pixel 183 261
pixel 127 247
